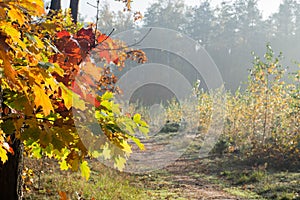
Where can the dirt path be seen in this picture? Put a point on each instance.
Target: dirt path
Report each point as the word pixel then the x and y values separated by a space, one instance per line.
pixel 185 177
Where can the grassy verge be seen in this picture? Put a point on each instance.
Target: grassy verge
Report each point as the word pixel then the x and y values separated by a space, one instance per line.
pixel 48 182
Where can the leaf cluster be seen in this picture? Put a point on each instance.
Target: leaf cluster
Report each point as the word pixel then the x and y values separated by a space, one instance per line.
pixel 48 81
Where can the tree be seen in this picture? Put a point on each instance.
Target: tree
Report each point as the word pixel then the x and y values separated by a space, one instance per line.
pixel 55 5
pixel 119 21
pixel 42 74
pixel 200 24
pixel 74 9
pixel 166 14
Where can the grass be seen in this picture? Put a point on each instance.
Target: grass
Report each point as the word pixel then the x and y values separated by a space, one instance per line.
pixel 104 183
pixel 246 181
pixel 238 178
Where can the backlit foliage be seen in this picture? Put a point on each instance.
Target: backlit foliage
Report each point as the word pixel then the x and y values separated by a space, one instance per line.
pixel 47 76
pixel 261 122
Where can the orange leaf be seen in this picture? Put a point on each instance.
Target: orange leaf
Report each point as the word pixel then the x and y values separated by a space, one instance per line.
pixel 62 34
pixel 63 195
pixel 41 99
pixel 9 71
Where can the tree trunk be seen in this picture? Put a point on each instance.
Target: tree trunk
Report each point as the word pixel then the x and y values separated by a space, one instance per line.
pixel 11 183
pixel 74 9
pixel 55 5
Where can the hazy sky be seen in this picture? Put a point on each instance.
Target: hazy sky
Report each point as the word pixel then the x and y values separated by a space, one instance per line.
pixel 266 6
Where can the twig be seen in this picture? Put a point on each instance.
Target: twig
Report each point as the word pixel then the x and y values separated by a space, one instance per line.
pixel 107 36
pixel 131 45
pixel 97 19
pixel 91 5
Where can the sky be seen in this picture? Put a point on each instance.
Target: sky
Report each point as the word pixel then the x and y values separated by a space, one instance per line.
pixel 266 6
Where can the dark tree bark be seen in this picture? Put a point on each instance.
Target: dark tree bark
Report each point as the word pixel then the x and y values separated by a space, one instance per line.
pixel 11 183
pixel 74 9
pixel 55 5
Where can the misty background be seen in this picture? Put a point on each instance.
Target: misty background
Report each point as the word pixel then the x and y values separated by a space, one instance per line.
pixel 229 32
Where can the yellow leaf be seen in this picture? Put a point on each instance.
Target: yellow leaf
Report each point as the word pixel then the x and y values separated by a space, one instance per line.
pixel 126 147
pixel 41 99
pixel 16 15
pixel 10 31
pixel 71 99
pixel 3 154
pixel 85 170
pixel 9 71
pixel 38 42
pixel 63 165
pixel 35 8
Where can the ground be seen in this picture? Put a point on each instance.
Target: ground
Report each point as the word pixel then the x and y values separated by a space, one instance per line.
pixel 189 177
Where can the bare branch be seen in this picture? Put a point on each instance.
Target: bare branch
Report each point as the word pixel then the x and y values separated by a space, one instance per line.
pixel 131 45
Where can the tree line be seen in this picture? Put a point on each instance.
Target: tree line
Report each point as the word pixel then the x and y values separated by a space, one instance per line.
pixel 229 32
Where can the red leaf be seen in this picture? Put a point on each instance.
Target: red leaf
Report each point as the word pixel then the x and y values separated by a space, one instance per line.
pixel 62 34
pixel 86 35
pixel 101 38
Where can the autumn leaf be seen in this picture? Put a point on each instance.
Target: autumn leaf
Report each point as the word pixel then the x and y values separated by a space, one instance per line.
pixel 62 34
pixel 71 99
pixel 106 152
pixel 120 163
pixel 85 170
pixel 41 99
pixel 16 15
pixel 9 71
pixel 63 195
pixel 3 154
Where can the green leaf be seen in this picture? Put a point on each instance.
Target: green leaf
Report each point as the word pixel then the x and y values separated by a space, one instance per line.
pixel 116 109
pixel 107 104
pixel 96 154
pixel 71 99
pixel 32 132
pixel 45 138
pixel 137 118
pixel 45 65
pixel 143 129
pixel 107 96
pixel 138 143
pixel 120 163
pixel 37 151
pixel 57 143
pixel 106 152
pixel 85 170
pixel 63 165
pixel 8 126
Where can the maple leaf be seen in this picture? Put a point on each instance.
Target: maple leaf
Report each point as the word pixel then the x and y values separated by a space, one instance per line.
pixel 9 71
pixel 120 163
pixel 85 170
pixel 62 34
pixel 41 99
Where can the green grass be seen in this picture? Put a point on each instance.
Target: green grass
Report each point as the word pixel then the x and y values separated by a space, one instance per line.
pixel 104 183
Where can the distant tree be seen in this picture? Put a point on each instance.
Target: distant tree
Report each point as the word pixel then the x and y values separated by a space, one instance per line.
pixel 200 24
pixel 166 14
pixel 283 20
pixel 108 19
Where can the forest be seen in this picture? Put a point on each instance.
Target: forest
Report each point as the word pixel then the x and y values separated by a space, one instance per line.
pixel 178 102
